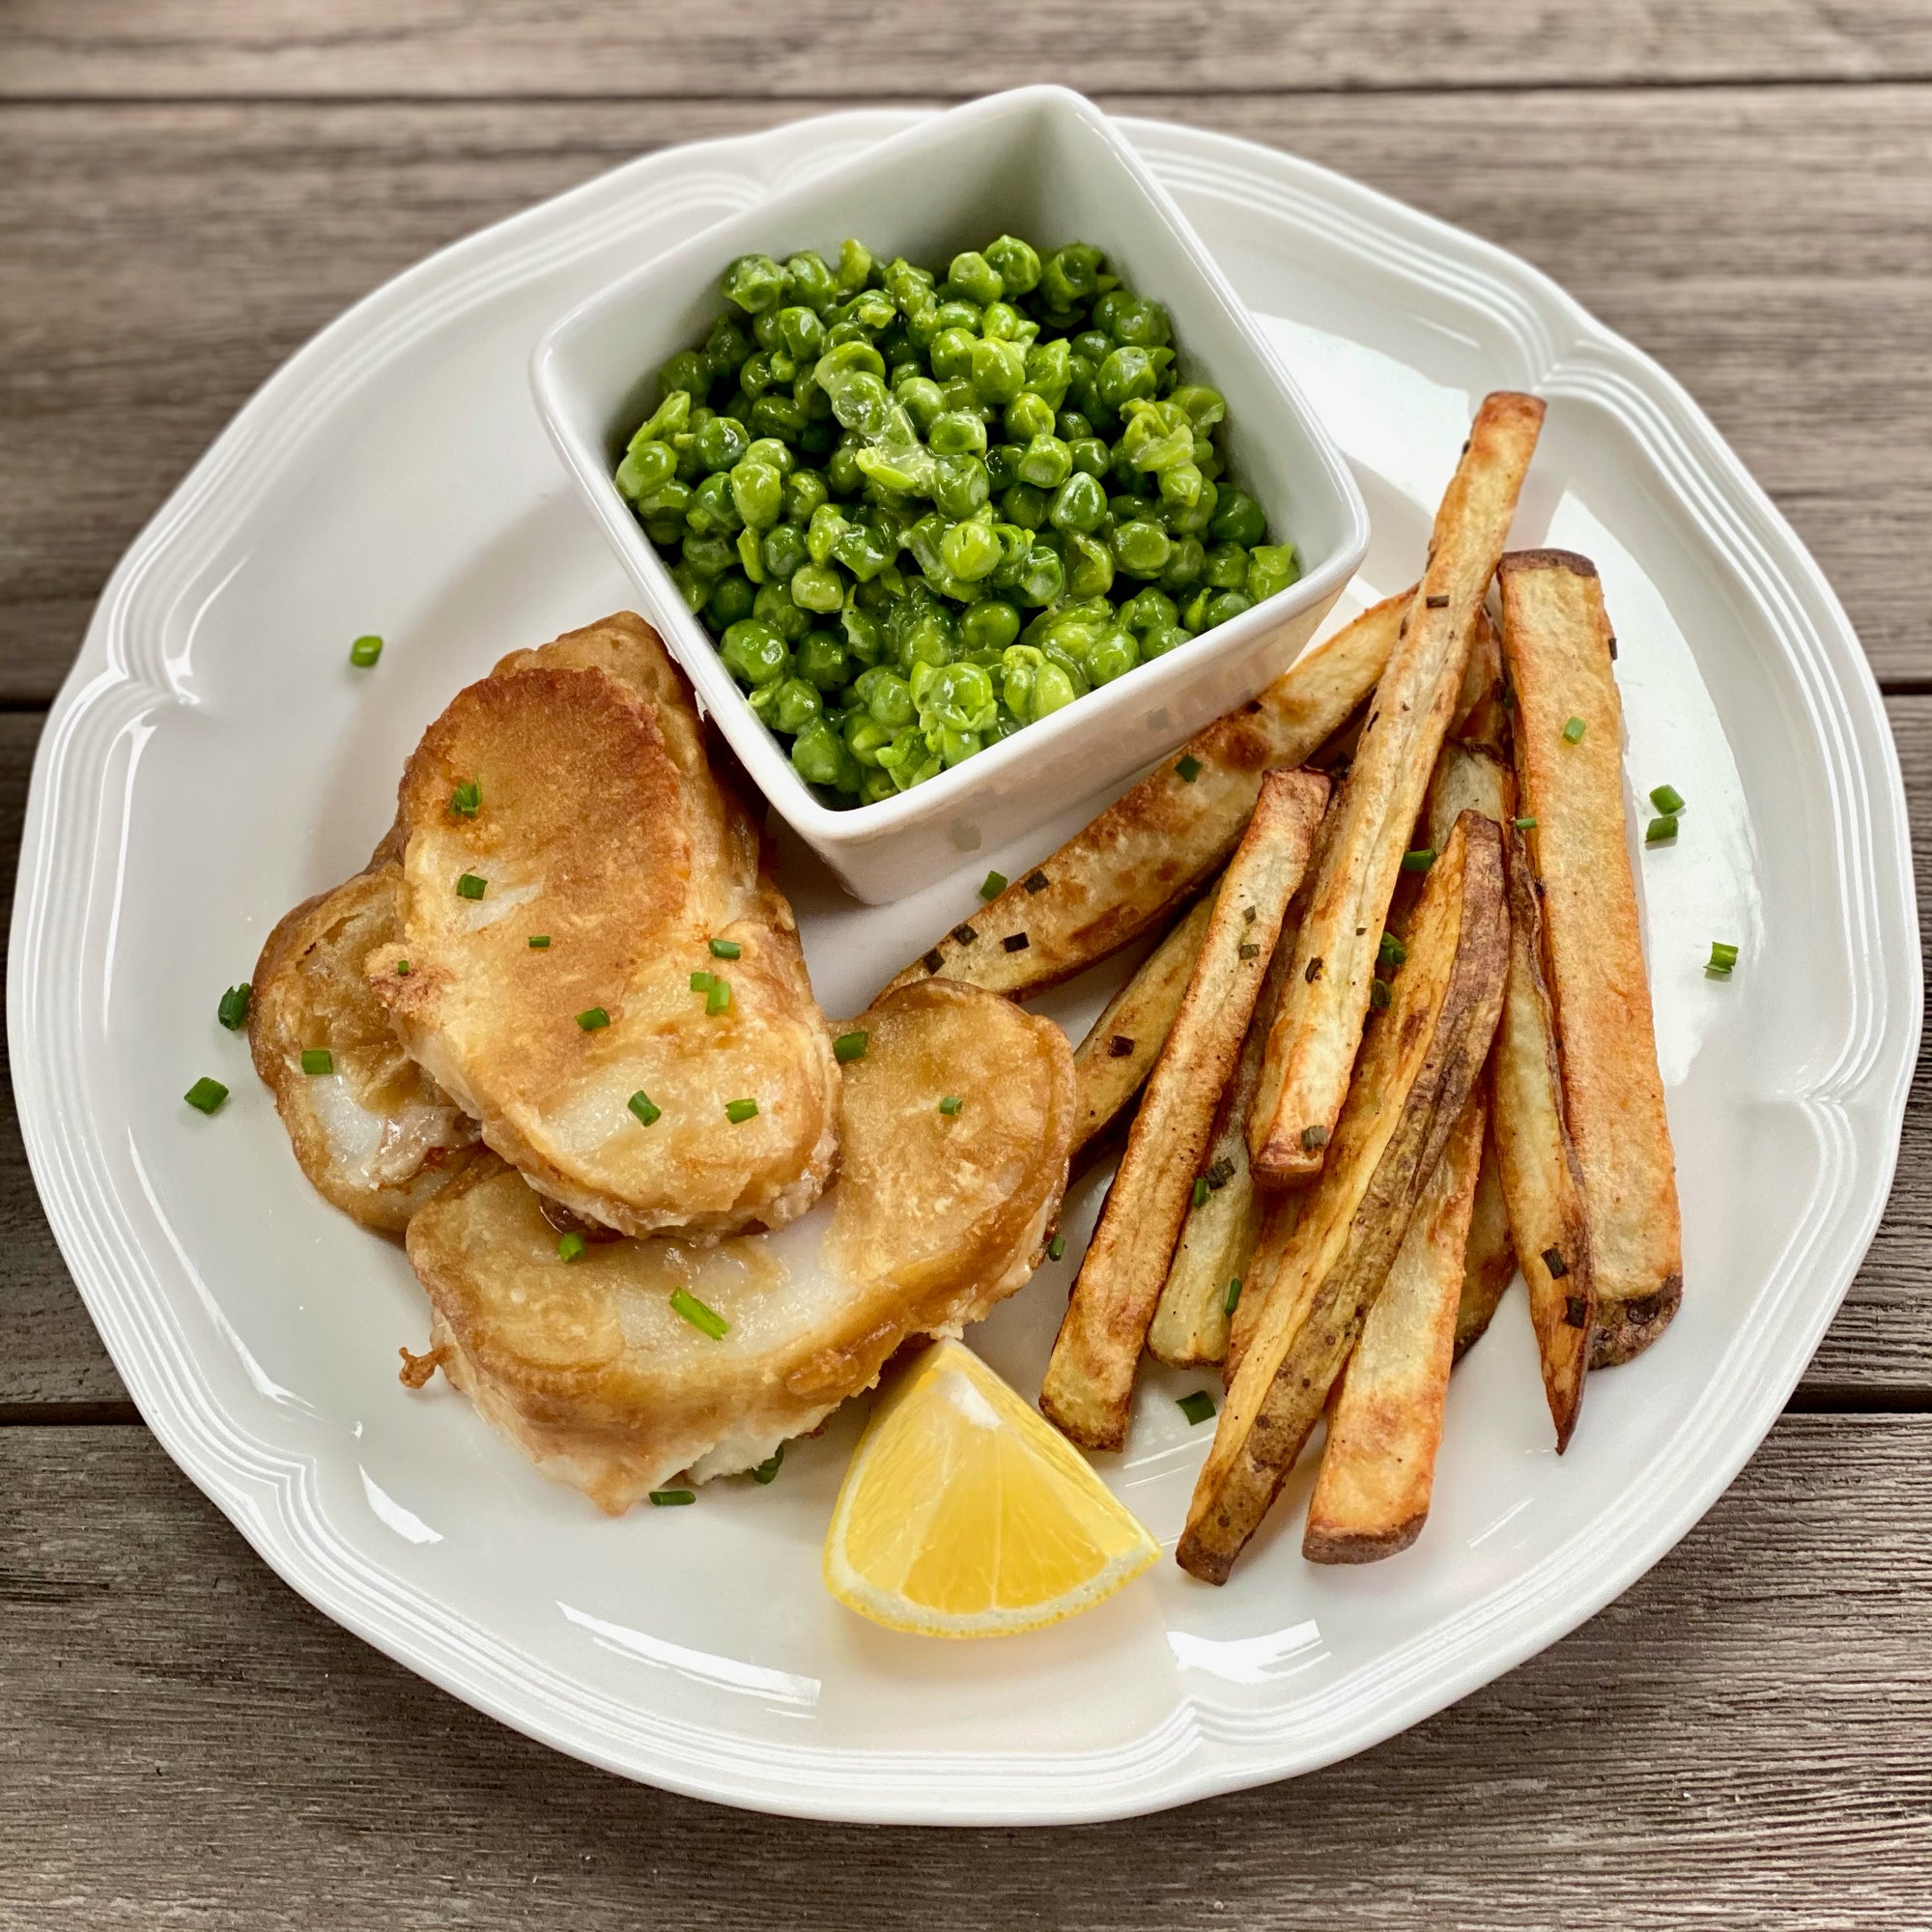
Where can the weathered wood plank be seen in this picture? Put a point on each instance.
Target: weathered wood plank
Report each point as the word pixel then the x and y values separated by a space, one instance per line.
pixel 1878 1350
pixel 187 1740
pixel 1765 244
pixel 815 46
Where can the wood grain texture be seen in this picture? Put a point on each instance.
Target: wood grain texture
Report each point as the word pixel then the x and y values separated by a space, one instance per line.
pixel 188 1743
pixel 734 47
pixel 1764 244
pixel 1877 1353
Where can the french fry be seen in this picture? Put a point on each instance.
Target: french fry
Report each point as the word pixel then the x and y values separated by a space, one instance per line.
pixel 1158 842
pixel 1480 718
pixel 1385 1422
pixel 1313 1045
pixel 1417 1071
pixel 1488 1259
pixel 1090 1378
pixel 1542 1184
pixel 1557 647
pixel 1281 1215
pixel 1112 1063
pixel 1218 1237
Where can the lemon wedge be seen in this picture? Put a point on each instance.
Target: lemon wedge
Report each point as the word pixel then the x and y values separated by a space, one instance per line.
pixel 966 1514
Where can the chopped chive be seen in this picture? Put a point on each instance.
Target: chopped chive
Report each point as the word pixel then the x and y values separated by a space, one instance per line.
pixel 569 1246
pixel 1231 1299
pixel 1198 1408
pixel 1056 1247
pixel 645 1107
pixel 593 1017
pixel 717 997
pixel 364 652
pixel 539 942
pixel 1391 951
pixel 702 983
pixel 1189 769
pixel 725 949
pixel 770 1466
pixel 1420 859
pixel 1313 1138
pixel 1661 831
pixel 1667 799
pixel 698 1315
pixel 1527 823
pixel 464 800
pixel 1200 1191
pixel 1035 882
pixel 950 1105
pixel 232 1008
pixel 671 1499
pixel 850 1046
pixel 317 1060
pixel 206 1097
pixel 738 1111
pixel 1379 995
pixel 1722 958
pixel 1572 732
pixel 470 886
pixel 992 884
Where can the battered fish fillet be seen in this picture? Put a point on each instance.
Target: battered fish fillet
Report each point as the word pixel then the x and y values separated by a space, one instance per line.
pixel 595 823
pixel 377 1136
pixel 936 1216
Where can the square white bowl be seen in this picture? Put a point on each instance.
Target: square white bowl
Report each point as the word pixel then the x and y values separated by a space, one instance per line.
pixel 1046 164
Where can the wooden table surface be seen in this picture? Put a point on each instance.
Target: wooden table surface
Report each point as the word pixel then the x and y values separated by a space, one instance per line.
pixel 190 188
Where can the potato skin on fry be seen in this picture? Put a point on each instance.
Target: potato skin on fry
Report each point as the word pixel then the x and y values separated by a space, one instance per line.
pixel 1090 1378
pixel 1419 1067
pixel 1556 643
pixel 1385 1422
pixel 1111 1065
pixel 1315 1036
pixel 1156 843
pixel 1488 1259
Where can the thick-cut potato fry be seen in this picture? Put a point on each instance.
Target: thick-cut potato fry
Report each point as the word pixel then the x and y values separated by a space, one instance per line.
pixel 1467 778
pixel 1558 647
pixel 1156 843
pixel 1385 1423
pixel 1281 1216
pixel 1417 1071
pixel 1315 1036
pixel 1542 1186
pixel 1112 1063
pixel 1480 718
pixel 1488 1259
pixel 1090 1378
pixel 1219 1235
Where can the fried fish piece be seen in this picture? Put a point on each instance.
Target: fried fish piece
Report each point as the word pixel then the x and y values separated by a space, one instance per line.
pixel 375 1134
pixel 567 799
pixel 938 1214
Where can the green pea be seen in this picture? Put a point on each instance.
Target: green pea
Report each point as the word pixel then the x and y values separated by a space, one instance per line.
pixel 755 653
pixel 842 470
pixel 816 586
pixel 951 353
pixel 1272 567
pixel 855 266
pixel 670 502
pixel 1049 369
pixel 1053 689
pixel 708 557
pixel 777 417
pixel 1205 407
pixel 1094 346
pixel 1043 578
pixel 1090 565
pixel 1070 276
pixel 644 467
pixel 1185 564
pixel 990 625
pixel 794 705
pixel 804 492
pixel 773 604
pixel 921 399
pixel 1113 654
pixel 958 697
pixel 961 485
pixel 822 661
pixel 766 331
pixel 1190 520
pixel 957 433
pixel 757 494
pixel 976 278
pixel 712 512
pixel 1239 519
pixel 866 737
pixel 1016 265
pixel 1162 639
pixel 1078 504
pixel 863 551
pixel 1182 483
pixel 1046 462
pixel 847 358
pixel 1142 548
pixel 1002 322
pixel 686 372
pixel 1146 611
pixel 1127 375
pixel 1024 505
pixel 720 442
pixel 1072 426
pixel 1003 465
pixel 886 696
pixel 1089 455
pixel 689 586
pixel 727 347
pixel 970 551
pixel 783 550
pixel 998 370
pixel 1134 320
pixel 865 635
pixel 1223 605
pixel 812 283
pixel 1156 436
pixel 1027 416
pixel 1226 567
pixel 859 399
pixel 731 598
pixel 876 786
pixel 758 375
pixel 818 755
pixel 958 313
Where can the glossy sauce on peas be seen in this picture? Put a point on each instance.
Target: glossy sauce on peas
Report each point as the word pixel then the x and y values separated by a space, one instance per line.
pixel 920 511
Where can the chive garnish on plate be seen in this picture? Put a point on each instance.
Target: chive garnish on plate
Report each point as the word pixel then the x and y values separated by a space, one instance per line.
pixel 232 1008
pixel 1572 732
pixel 205 1095
pixel 693 1311
pixel 1661 831
pixel 850 1046
pixel 1420 859
pixel 467 798
pixel 1667 799
pixel 470 886
pixel 1722 958
pixel 1189 768
pixel 950 1105
pixel 593 1017
pixel 645 1107
pixel 671 1499
pixel 992 884
pixel 364 652
pixel 539 942
pixel 725 949
pixel 569 1246
pixel 317 1061
pixel 738 1111
pixel 1231 1299
pixel 1198 1408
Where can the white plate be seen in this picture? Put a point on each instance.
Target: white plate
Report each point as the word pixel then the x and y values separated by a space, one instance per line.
pixel 214 758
